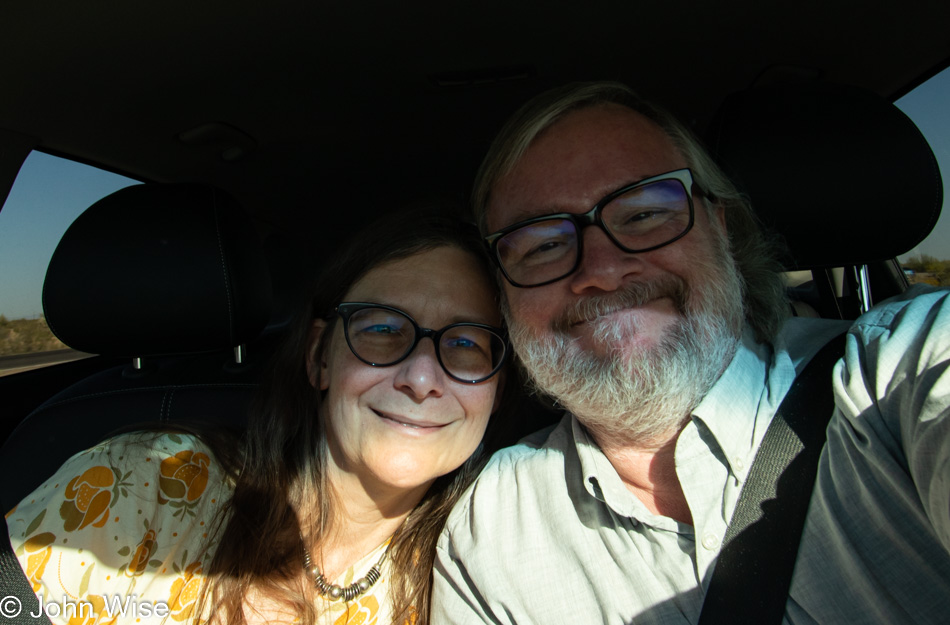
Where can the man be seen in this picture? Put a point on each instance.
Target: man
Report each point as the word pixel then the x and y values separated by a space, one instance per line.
pixel 661 329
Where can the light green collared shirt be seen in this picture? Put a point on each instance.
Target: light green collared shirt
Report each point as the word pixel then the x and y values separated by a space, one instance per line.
pixel 549 533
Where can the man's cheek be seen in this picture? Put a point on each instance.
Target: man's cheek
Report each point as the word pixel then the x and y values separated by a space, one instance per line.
pixel 534 313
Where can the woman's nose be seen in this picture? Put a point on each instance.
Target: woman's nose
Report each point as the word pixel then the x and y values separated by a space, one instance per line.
pixel 420 374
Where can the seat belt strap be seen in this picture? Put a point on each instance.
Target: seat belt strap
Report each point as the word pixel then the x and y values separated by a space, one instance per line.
pixel 17 600
pixel 753 573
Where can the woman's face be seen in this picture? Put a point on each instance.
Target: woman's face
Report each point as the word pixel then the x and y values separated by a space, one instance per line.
pixel 403 425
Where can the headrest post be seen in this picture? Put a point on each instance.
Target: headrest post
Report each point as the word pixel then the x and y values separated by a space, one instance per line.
pixel 864 288
pixel 239 353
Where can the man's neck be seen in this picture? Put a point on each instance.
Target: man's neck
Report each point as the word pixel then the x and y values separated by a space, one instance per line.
pixel 649 472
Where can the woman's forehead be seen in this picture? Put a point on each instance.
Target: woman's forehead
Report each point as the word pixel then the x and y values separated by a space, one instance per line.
pixel 445 285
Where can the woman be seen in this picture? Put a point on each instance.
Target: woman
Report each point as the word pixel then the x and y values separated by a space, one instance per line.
pixel 327 510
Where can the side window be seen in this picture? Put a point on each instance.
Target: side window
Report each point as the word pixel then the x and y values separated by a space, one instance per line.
pixel 927 106
pixel 49 193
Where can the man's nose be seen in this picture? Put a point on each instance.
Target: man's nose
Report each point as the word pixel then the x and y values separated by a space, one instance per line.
pixel 603 266
pixel 420 375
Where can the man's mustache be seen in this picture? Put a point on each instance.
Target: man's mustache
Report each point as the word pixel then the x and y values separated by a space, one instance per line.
pixel 633 295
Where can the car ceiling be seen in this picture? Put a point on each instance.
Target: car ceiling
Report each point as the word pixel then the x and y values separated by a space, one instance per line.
pixel 338 110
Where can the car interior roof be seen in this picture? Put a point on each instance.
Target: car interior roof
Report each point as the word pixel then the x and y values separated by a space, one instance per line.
pixel 313 114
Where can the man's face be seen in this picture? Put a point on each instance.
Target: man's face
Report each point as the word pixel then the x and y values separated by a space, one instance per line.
pixel 622 314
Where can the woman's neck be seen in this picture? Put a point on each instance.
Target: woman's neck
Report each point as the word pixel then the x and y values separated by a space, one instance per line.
pixel 363 518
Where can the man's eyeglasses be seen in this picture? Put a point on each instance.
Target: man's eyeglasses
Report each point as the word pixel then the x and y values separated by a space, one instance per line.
pixel 639 217
pixel 382 336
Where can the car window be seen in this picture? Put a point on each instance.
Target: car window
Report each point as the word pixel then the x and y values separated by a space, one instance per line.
pixel 927 105
pixel 48 194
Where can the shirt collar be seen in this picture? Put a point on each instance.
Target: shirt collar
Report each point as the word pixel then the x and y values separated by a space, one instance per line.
pixel 734 414
pixel 729 410
pixel 739 407
pixel 601 480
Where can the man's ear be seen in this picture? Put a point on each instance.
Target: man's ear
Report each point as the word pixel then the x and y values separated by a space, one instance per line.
pixel 314 368
pixel 719 213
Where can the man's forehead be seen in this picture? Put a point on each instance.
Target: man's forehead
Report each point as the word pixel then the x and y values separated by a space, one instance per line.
pixel 579 159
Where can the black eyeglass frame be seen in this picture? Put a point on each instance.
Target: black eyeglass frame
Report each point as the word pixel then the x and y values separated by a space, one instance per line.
pixel 346 309
pixel 593 217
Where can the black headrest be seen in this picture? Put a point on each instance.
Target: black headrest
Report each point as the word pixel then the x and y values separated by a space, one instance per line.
pixel 841 173
pixel 158 269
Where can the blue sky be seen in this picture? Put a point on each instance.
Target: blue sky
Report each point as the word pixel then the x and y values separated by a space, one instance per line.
pixel 50 193
pixel 928 106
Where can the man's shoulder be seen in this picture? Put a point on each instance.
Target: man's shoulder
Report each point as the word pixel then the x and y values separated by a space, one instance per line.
pixel 531 454
pixel 908 317
pixel 919 307
pixel 516 476
pixel 904 335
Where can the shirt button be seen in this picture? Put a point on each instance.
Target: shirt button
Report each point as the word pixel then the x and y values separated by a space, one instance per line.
pixel 738 464
pixel 710 541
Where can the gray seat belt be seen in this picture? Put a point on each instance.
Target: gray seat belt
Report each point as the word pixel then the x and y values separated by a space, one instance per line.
pixel 17 600
pixel 753 573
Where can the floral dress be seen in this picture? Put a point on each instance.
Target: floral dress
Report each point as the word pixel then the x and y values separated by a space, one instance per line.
pixel 120 534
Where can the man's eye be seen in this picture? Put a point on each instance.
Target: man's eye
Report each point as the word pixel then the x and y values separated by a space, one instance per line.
pixel 646 215
pixel 545 247
pixel 641 220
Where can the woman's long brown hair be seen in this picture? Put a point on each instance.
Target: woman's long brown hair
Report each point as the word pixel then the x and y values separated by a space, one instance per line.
pixel 280 462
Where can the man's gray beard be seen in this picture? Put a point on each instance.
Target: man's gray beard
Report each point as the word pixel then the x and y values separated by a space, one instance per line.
pixel 637 396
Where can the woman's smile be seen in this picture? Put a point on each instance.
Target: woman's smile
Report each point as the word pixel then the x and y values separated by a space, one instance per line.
pixel 408 422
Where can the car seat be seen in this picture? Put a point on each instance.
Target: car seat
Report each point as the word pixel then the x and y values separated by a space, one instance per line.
pixel 171 278
pixel 842 174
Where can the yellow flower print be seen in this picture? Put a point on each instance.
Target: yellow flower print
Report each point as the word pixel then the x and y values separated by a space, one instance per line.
pixel 87 499
pixel 97 615
pixel 361 612
pixel 143 553
pixel 183 479
pixel 184 592
pixel 38 549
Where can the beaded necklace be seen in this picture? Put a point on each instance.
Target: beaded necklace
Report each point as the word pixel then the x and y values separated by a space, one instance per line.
pixel 334 591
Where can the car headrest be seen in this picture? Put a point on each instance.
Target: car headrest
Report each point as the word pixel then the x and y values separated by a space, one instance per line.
pixel 158 269
pixel 842 174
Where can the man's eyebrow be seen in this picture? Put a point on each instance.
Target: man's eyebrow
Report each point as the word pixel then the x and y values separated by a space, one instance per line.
pixel 523 214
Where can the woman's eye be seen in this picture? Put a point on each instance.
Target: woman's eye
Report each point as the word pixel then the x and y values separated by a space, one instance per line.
pixel 462 342
pixel 380 328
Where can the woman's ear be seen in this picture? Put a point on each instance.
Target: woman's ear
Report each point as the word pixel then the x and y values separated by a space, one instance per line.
pixel 314 368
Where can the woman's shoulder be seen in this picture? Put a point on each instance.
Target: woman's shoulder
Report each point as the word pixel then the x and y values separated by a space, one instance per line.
pixel 158 472
pixel 132 514
pixel 148 445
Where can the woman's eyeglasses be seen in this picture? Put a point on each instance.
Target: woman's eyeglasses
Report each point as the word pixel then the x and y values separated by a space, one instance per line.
pixel 381 336
pixel 638 218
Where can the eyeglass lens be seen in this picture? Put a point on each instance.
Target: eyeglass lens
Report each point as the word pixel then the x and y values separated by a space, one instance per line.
pixel 383 337
pixel 645 217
